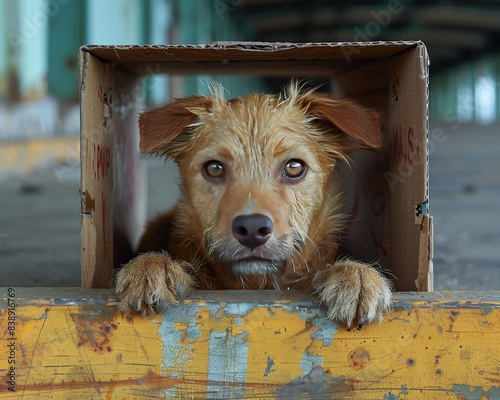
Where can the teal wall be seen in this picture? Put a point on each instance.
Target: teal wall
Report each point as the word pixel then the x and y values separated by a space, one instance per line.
pixel 25 39
pixel 39 41
pixel 115 21
pixel 3 49
pixel 66 33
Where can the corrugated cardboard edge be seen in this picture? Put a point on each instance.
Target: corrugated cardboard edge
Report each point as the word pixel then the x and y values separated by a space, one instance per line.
pixel 252 46
pixel 224 51
pixel 95 214
pixel 425 277
pixel 425 280
pixel 87 232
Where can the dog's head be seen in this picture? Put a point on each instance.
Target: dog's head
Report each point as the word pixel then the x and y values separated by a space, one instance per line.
pixel 255 171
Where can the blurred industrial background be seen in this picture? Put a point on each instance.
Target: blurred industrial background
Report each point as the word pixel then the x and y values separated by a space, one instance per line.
pixel 39 111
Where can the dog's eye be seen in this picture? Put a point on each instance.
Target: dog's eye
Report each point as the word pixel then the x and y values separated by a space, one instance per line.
pixel 214 169
pixel 294 169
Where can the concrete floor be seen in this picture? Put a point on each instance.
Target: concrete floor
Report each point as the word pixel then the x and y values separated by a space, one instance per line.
pixel 465 203
pixel 40 217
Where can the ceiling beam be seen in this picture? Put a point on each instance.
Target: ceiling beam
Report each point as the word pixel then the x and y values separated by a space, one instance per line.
pixel 460 17
pixel 279 19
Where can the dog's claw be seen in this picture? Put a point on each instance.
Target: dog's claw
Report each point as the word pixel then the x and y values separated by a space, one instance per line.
pixel 159 306
pixel 134 307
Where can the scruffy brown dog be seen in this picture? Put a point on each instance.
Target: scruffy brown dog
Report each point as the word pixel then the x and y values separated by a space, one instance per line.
pixel 259 203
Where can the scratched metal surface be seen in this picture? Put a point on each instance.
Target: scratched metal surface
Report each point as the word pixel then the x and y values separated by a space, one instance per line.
pixel 73 343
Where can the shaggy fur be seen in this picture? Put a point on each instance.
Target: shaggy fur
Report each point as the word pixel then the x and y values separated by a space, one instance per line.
pixel 266 155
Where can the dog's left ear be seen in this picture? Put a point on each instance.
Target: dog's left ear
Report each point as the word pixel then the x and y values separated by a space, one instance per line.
pixel 362 125
pixel 160 126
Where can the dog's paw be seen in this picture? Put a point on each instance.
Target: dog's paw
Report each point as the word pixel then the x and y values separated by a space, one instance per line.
pixel 354 293
pixel 150 282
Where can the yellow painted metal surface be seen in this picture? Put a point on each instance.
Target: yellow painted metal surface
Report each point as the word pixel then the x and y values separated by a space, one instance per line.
pixel 74 344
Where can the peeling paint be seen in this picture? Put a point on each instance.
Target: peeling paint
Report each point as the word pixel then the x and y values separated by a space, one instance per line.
pixel 403 305
pixel 475 392
pixel 309 362
pixel 486 308
pixel 270 366
pixel 227 364
pixel 315 385
pixel 230 309
pixel 304 312
pixel 179 332
pixel 404 390
pixel 325 329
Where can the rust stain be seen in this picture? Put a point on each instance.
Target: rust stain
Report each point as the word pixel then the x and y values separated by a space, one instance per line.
pixel 155 381
pixel 359 358
pixel 315 383
pixel 354 383
pixel 495 379
pixel 89 203
pixel 453 317
pixel 129 318
pixel 97 337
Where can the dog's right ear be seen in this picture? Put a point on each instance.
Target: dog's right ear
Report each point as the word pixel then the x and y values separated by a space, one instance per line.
pixel 362 126
pixel 161 125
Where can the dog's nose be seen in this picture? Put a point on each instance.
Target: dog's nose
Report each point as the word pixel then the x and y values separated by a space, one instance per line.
pixel 252 230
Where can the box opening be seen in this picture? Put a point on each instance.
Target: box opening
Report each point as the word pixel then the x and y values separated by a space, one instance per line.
pixel 386 192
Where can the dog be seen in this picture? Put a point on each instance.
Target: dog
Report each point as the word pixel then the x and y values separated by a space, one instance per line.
pixel 259 204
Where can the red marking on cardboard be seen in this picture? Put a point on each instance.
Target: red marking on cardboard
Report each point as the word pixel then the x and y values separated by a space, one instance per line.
pixel 102 161
pixel 403 146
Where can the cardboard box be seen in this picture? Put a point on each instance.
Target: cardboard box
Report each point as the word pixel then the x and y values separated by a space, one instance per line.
pixel 387 192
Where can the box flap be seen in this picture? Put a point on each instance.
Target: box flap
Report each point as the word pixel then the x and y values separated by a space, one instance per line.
pixel 265 59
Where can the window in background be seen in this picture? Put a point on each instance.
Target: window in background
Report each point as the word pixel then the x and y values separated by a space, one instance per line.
pixel 465 95
pixel 484 94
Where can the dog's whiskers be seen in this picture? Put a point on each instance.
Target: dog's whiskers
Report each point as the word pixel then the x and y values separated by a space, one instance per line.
pixel 275 282
pixel 262 282
pixel 313 244
pixel 243 284
pixel 305 263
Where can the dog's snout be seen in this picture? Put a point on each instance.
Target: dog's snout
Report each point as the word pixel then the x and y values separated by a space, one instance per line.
pixel 252 230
